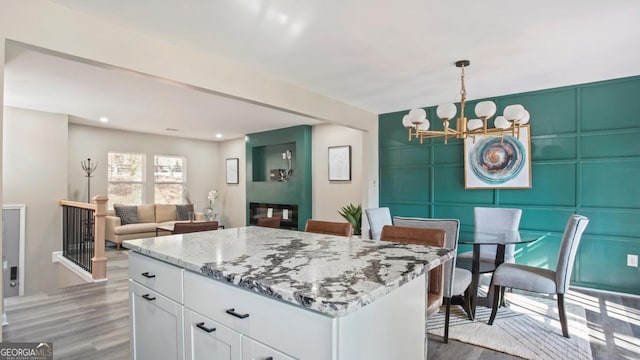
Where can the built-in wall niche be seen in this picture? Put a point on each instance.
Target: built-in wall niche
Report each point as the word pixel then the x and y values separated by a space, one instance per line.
pixel 274 162
pixel 287 213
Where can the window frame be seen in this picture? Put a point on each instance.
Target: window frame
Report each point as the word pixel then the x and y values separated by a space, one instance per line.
pixel 143 178
pixel 183 183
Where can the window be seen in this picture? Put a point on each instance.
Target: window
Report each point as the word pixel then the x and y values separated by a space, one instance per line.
pixel 170 179
pixel 125 178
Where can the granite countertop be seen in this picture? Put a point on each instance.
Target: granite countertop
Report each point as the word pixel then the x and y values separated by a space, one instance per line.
pixel 330 274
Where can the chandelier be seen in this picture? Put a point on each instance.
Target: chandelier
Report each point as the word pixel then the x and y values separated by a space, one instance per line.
pixel 513 118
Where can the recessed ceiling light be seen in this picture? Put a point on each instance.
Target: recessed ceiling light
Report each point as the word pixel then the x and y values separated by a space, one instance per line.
pixel 104 120
pixel 218 135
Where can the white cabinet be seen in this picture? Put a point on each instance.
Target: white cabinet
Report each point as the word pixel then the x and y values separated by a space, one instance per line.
pixel 176 313
pixel 156 325
pixel 155 304
pixel 208 339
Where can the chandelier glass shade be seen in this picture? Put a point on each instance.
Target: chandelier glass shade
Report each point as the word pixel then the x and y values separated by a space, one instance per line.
pixel 509 122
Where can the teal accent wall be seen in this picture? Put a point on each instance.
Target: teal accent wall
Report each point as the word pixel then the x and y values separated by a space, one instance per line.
pixel 585 148
pixel 264 152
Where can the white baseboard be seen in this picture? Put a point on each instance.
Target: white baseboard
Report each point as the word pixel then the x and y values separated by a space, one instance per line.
pixel 56 256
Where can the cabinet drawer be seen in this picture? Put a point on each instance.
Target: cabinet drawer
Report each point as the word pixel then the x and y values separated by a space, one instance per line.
pixel 253 350
pixel 156 275
pixel 291 329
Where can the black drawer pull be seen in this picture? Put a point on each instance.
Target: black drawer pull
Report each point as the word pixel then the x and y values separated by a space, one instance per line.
pixel 146 296
pixel 147 275
pixel 201 326
pixel 234 313
pixel 269 358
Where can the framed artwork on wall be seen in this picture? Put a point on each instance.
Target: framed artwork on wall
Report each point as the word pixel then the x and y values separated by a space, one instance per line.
pixel 232 171
pixel 340 163
pixel 493 162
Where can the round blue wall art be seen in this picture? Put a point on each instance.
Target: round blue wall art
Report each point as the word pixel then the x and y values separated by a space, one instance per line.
pixel 496 160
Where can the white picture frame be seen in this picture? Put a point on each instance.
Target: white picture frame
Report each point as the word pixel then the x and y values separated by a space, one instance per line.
pixel 340 163
pixel 232 170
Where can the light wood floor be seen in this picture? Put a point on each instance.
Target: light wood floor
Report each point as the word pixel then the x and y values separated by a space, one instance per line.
pixel 89 321
pixel 92 322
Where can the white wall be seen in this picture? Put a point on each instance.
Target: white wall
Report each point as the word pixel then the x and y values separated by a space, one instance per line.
pixel 1 162
pixel 330 196
pixel 233 197
pixel 35 174
pixel 203 166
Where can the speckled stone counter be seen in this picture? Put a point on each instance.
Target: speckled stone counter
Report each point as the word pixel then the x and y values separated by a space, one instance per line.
pixel 329 274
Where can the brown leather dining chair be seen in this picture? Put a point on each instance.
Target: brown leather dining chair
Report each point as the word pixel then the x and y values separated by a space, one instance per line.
pixel 190 227
pixel 328 227
pixel 456 280
pixel 270 222
pixel 422 236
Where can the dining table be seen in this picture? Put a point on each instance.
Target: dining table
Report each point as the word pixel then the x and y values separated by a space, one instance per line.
pixel 485 237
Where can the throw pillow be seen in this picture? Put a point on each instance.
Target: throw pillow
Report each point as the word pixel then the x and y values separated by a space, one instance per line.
pixel 183 211
pixel 127 214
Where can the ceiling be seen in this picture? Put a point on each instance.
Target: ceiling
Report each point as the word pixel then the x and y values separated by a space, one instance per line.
pixel 381 56
pixel 87 92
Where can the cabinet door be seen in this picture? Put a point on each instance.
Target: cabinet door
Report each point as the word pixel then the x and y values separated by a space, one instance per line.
pixel 253 350
pixel 156 325
pixel 208 339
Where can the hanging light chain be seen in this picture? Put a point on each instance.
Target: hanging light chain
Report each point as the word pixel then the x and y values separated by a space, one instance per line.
pixel 463 89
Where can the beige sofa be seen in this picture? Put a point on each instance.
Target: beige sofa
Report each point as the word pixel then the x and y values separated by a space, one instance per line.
pixel 149 218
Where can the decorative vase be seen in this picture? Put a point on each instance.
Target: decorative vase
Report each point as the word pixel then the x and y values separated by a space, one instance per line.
pixel 209 214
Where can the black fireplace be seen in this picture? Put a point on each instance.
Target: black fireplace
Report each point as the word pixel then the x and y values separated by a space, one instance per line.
pixel 288 214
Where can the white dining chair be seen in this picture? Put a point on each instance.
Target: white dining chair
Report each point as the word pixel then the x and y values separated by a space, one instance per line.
pixel 491 219
pixel 378 218
pixel 535 279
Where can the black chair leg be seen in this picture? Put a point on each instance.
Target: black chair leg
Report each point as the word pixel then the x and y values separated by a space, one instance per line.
pixel 467 304
pixel 497 290
pixel 446 320
pixel 563 316
pixel 503 301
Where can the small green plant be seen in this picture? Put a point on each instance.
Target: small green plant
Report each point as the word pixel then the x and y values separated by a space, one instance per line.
pixel 353 214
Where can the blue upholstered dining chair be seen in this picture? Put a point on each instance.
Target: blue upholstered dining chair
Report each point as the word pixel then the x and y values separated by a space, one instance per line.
pixel 456 280
pixel 378 218
pixel 491 219
pixel 541 280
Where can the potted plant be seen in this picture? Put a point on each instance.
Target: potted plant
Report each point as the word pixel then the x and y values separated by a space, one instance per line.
pixel 353 214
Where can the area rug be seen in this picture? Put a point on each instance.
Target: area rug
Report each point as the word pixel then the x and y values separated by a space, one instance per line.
pixel 528 327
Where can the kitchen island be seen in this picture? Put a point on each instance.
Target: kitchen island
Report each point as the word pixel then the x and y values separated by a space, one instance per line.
pixel 261 293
